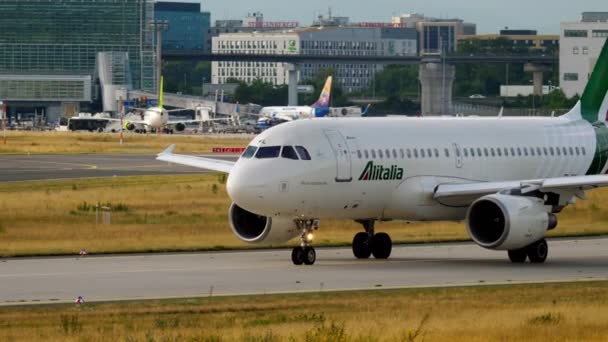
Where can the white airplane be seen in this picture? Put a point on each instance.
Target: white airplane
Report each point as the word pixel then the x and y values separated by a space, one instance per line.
pixel 271 116
pixel 507 177
pixel 157 118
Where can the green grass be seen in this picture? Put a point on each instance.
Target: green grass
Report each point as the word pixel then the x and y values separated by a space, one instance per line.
pixel 22 142
pixel 185 213
pixel 542 312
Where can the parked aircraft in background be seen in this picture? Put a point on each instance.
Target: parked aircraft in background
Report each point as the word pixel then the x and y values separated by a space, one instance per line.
pixel 270 116
pixel 507 177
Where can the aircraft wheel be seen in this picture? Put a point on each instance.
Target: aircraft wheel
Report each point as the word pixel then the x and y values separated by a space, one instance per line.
pixel 309 255
pixel 297 255
pixel 538 251
pixel 518 256
pixel 382 246
pixel 361 246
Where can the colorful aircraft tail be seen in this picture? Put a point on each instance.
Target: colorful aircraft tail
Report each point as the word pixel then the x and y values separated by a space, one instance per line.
pixel 324 98
pixel 366 110
pixel 160 94
pixel 593 105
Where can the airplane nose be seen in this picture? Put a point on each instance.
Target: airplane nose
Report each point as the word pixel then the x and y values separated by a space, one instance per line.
pixel 244 190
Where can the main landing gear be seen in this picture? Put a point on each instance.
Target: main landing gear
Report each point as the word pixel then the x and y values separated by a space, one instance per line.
pixel 369 243
pixel 536 252
pixel 305 253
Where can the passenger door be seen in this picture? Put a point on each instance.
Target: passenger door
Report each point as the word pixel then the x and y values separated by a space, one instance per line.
pixel 341 153
pixel 458 155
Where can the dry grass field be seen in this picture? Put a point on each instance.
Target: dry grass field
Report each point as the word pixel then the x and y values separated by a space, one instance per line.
pixel 177 213
pixel 543 312
pixel 79 142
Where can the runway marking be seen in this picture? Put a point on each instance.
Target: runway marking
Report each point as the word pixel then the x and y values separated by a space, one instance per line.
pixel 300 292
pixel 86 166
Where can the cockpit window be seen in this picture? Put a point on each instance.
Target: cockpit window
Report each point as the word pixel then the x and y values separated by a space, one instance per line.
pixel 303 153
pixel 249 152
pixel 289 153
pixel 268 152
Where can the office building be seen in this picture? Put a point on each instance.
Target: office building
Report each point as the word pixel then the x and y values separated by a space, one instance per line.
pixel 188 25
pixel 580 45
pixel 49 49
pixel 334 41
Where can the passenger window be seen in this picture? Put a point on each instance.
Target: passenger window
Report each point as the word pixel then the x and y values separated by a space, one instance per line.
pixel 268 152
pixel 492 151
pixel 571 151
pixel 559 152
pixel 430 153
pixel 545 152
pixel 401 153
pixel 506 152
pixel 388 154
pixel 479 152
pixel 512 151
pixel 359 155
pixel 366 154
pixel 519 151
pixel 458 152
pixel 422 153
pixel 374 154
pixel 551 151
pixel 538 152
pixel 380 154
pixel 447 153
pixel 249 152
pixel 437 153
pixel 289 153
pixel 525 151
pixel 466 152
pixel 303 153
pixel 409 153
pixel 485 151
pixel 499 151
pixel 565 150
pixel 415 153
pixel 584 151
pixel 472 152
pixel 394 153
pixel 578 152
pixel 532 151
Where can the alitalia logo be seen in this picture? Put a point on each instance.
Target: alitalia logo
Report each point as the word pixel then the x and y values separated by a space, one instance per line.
pixel 374 172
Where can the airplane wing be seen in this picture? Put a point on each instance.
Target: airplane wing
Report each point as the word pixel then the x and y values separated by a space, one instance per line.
pixel 569 186
pixel 199 162
pixel 196 121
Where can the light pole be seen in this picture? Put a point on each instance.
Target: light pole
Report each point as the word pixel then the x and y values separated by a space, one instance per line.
pixel 159 26
pixel 203 87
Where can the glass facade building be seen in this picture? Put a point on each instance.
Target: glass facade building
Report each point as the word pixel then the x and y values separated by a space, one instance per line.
pixel 49 43
pixel 188 26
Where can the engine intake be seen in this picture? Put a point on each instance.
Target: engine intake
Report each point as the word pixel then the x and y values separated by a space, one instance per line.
pixel 180 127
pixel 253 228
pixel 506 222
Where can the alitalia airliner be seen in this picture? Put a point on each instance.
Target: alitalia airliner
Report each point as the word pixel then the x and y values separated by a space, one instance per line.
pixel 506 177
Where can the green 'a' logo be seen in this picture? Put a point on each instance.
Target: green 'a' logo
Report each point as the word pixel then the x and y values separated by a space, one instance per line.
pixel 378 172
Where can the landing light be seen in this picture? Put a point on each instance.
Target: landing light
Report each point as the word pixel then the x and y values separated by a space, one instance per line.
pixel 309 236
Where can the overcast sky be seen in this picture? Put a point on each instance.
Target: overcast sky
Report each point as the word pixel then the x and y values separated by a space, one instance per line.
pixel 489 15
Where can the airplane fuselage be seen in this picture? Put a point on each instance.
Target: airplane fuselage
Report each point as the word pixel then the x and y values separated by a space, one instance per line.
pixel 388 168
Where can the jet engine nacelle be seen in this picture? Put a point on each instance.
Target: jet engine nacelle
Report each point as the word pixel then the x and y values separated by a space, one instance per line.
pixel 130 126
pixel 506 222
pixel 180 127
pixel 252 228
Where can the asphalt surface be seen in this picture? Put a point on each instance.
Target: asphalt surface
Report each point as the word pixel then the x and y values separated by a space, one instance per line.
pixel 110 278
pixel 39 167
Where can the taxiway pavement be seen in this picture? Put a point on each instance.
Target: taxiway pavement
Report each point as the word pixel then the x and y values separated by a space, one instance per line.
pixel 40 167
pixel 109 278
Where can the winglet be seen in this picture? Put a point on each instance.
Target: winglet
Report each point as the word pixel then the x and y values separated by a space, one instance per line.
pixel 168 150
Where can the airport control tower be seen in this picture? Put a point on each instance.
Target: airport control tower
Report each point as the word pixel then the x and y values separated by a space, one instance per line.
pixel 49 52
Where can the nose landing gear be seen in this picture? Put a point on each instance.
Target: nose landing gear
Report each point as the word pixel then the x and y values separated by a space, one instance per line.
pixel 305 253
pixel 370 243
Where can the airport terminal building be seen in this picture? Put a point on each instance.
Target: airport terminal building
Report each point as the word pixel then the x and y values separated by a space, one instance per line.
pixel 330 41
pixel 49 53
